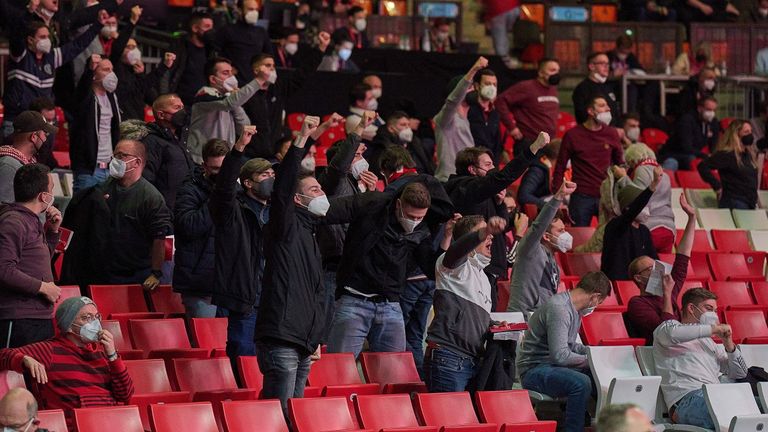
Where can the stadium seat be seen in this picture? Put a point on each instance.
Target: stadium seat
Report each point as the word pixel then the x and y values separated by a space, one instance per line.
pixel 606 328
pixel 117 418
pixel 653 138
pixel 447 410
pixel 52 420
pixel 337 375
pixel 10 380
pixel 748 326
pixel 207 378
pixel 164 299
pixel 122 344
pixel 152 386
pixel 250 374
pixel 762 198
pixel 756 263
pixel 294 121
pixel 732 407
pixel 731 294
pixel 760 292
pixel 687 285
pixel 565 122
pixel 676 192
pixel 681 218
pixel 698 267
pixel 192 417
pixel 211 334
pixel 731 240
pixel 579 264
pixel 755 355
pixel 388 413
pixel 494 407
pixel 625 290
pixel 580 234
pixel 68 291
pixel 715 218
pixel 618 378
pixel 118 298
pixel 750 219
pixel 611 304
pixel 394 371
pixel 759 240
pixel 701 241
pixel 163 338
pixel 645 360
pixel 248 416
pixel 731 267
pixel 320 414
pixel 691 180
pixel 702 198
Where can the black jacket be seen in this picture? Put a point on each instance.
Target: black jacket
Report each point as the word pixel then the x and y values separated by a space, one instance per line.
pixel 241 42
pixel 588 89
pixel 485 127
pixel 535 185
pixel 385 138
pixel 86 260
pixel 692 135
pixel 238 244
pixel 475 196
pixel 194 234
pixel 168 161
pixel 187 75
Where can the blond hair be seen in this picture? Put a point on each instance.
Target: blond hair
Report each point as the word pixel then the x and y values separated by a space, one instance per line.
pixel 730 141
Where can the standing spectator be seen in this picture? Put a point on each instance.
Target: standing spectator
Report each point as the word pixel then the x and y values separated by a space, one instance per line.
pixel 355 28
pixel 686 357
pixel 623 61
pixel 482 114
pixel 736 161
pixel 759 12
pixel 694 131
pixel 18 411
pixel 531 106
pixel 377 89
pixel 95 128
pixel 549 359
pixel 591 147
pixel 30 132
pixel 452 128
pixel 194 232
pixel 537 276
pixel 286 48
pixel 630 130
pixel 440 39
pixel 595 85
pixel 643 10
pixel 244 40
pixel 46 107
pixel 361 99
pixel 101 45
pixel 397 131
pixel 218 108
pixel 339 60
pixel 696 11
pixel 168 160
pixel 192 54
pixel 645 312
pixel 500 17
pixel 27 291
pixel 703 84
pixel 535 186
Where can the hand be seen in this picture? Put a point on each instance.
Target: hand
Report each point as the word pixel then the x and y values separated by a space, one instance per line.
pixel 658 172
pixel 495 226
pixel 541 141
pixel 168 59
pixel 369 179
pixel 33 5
pixel 333 121
pixel 309 125
pixel 53 219
pixel 516 134
pixel 136 14
pixel 618 172
pixel 687 208
pixel 36 369
pixel 566 189
pixel 706 9
pixel 450 224
pixel 723 331
pixel 95 60
pixel 651 6
pixel 481 63
pixel 731 9
pixel 668 285
pixel 138 68
pixel 50 291
pixel 500 196
pixel 719 194
pixel 107 341
pixel 315 356
pixel 323 39
pixel 521 224
pixel 245 137
pixel 150 283
pixel 103 17
pixel 367 119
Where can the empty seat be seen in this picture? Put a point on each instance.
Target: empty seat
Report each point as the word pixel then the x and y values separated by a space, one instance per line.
pixel 579 264
pixel 163 338
pixel 681 218
pixel 394 371
pixel 164 299
pixel 118 298
pixel 211 334
pixel 755 355
pixel 204 376
pixel 580 234
pixel 9 380
pixel 122 344
pixel 250 374
pixel 701 198
pixel 760 292
pixel 52 420
pixel 618 378
pixel 118 418
pixel 731 266
pixel 748 326
pixel 606 328
pixel 731 240
pixel 387 412
pixel 320 414
pixel 337 374
pixel 494 407
pixel 750 219
pixel 731 293
pixel 247 416
pixel 691 180
pixel 715 218
pixel 645 360
pixel 759 240
pixel 701 241
pixel 190 417
pixel 449 409
pixel 152 385
pixel 727 403
pixel 625 290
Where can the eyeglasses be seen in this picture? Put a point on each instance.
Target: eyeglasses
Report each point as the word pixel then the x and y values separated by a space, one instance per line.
pixel 89 317
pixel 24 427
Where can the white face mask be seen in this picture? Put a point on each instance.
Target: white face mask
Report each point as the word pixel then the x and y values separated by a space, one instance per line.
pixel 291 48
pixel 376 93
pixel 488 92
pixel 358 167
pixel 408 225
pixel 587 311
pixel 480 261
pixel 318 205
pixel 272 78
pixel 110 82
pixel 117 168
pixel 230 84
pixel 133 56
pixel 633 134
pixel 709 84
pixel 599 78
pixel 345 54
pixel 308 164
pixel 43 46
pixel 89 332
pixel 564 242
pixel 361 24
pixel 107 31
pixel 762 12
pixel 708 115
pixel 604 118
pixel 372 105
pixel 29 423
pixel 252 17
pixel 708 317
pixel 406 135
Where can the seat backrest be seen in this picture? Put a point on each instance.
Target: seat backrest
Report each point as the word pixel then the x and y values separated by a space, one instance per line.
pixel 681 218
pixel 731 240
pixel 385 411
pixel 389 367
pixel 121 342
pixel 118 298
pixel 645 360
pixel 603 325
pixel 762 391
pixel 581 235
pixel 609 362
pixel 579 264
pixel 750 219
pixel 158 334
pixel 688 285
pixel 691 180
pixel 755 355
pixel 754 422
pixel 726 401
pixel 715 218
pixel 724 265
pixel 731 293
pixel 67 291
pixel 250 374
pixel 10 380
pixel 197 375
pixel 247 416
pixel 625 290
pixel 209 333
pixel 320 414
pixel 164 299
pixel 52 420
pixel 119 418
pixel 191 416
pixel 759 240
pixel 148 376
pixel 494 406
pixel 439 409
pixel 701 241
pixel 642 391
pixel 334 369
pixel 746 323
pixel 701 198
pixel 760 292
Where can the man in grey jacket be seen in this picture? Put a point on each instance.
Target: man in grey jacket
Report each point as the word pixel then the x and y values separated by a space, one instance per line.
pixel 217 111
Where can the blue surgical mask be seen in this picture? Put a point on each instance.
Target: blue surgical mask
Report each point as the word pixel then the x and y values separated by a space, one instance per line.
pixel 345 54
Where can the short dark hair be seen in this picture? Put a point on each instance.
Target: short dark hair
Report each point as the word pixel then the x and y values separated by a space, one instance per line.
pixel 395 157
pixel 415 194
pixel 593 55
pixel 215 148
pixel 624 41
pixel 357 92
pixel 397 115
pixel 29 181
pixel 552 150
pixel 466 224
pixel 41 103
pixel 289 31
pixel 543 62
pixel 469 157
pixel 340 37
pixel 630 116
pixel 258 58
pixel 353 10
pixel 32 28
pixel 696 295
pixel 210 65
pixel 704 99
pixel 483 72
pixel 198 16
pixel 613 418
pixel 300 178
pixel 594 99
pixel 595 282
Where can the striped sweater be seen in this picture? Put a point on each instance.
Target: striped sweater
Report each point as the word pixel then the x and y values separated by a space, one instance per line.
pixel 78 377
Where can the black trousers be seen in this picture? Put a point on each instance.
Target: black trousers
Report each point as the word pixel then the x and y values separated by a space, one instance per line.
pixel 24 332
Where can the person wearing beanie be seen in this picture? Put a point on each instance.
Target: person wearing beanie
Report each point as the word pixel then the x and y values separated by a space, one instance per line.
pixel 626 236
pixel 78 368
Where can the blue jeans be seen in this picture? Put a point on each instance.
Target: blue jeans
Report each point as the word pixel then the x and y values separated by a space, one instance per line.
pixel 356 320
pixel 285 372
pixel 558 382
pixel 448 371
pixel 415 301
pixel 676 162
pixel 582 208
pixel 198 307
pixel 692 409
pixel 84 180
pixel 500 26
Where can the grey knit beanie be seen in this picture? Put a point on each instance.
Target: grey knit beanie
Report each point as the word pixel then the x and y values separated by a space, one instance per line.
pixel 68 309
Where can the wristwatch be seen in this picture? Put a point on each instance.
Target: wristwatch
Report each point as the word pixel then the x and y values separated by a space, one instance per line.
pixel 112 357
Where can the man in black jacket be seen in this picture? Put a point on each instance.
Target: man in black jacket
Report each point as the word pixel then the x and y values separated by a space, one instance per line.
pixel 694 131
pixel 398 132
pixel 244 40
pixel 595 84
pixel 483 117
pixel 168 160
pixel 194 233
pixel 188 76
pixel 478 189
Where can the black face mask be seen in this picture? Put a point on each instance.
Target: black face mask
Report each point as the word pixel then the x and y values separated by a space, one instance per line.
pixel 701 58
pixel 179 118
pixel 748 140
pixel 554 79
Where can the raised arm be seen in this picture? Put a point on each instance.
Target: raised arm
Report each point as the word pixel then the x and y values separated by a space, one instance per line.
pixel 223 203
pixel 445 116
pixel 458 252
pixel 545 216
pixel 122 40
pixel 338 167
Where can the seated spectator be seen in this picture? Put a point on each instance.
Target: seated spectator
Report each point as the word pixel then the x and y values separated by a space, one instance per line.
pixel 361 99
pixel 630 130
pixel 439 38
pixel 537 275
pixel 18 411
pixel 686 357
pixel 79 368
pixel 759 12
pixel 243 40
pixel 30 133
pixel 456 338
pixel 735 159
pixel 47 108
pixel 694 131
pixel 188 75
pixel 355 28
pixel 701 85
pixel 623 418
pixel 549 359
pixel 339 59
pixel 626 236
pixel 535 186
pixel 692 63
pixel 397 131
pixel 648 310
pixel 285 49
pixel 595 85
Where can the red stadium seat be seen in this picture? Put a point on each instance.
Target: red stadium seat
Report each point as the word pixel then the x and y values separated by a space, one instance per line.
pixel 672 178
pixel 731 293
pixel 389 413
pixel 607 328
pixel 700 240
pixel 163 338
pixel 447 410
pixel 394 371
pixel 579 264
pixel 580 235
pixel 248 416
pixel 52 420
pixel 725 122
pixel 687 285
pixel 10 380
pixel 691 180
pixel 211 334
pixel 152 385
pixel 320 414
pixel 122 344
pixel 731 240
pixel 760 292
pixel 748 326
pixel 117 418
pixel 731 266
pixel 118 298
pixel 250 374
pixel 334 369
pixel 625 290
pixel 165 300
pixel 193 416
pixel 653 138
pixel 494 407
pixel 755 262
pixel 294 121
pixel 698 266
pixel 565 122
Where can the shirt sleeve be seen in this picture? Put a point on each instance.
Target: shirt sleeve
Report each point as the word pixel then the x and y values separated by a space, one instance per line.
pixel 673 332
pixel 731 364
pixel 122 385
pixel 560 352
pixel 11 243
pixel 12 358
